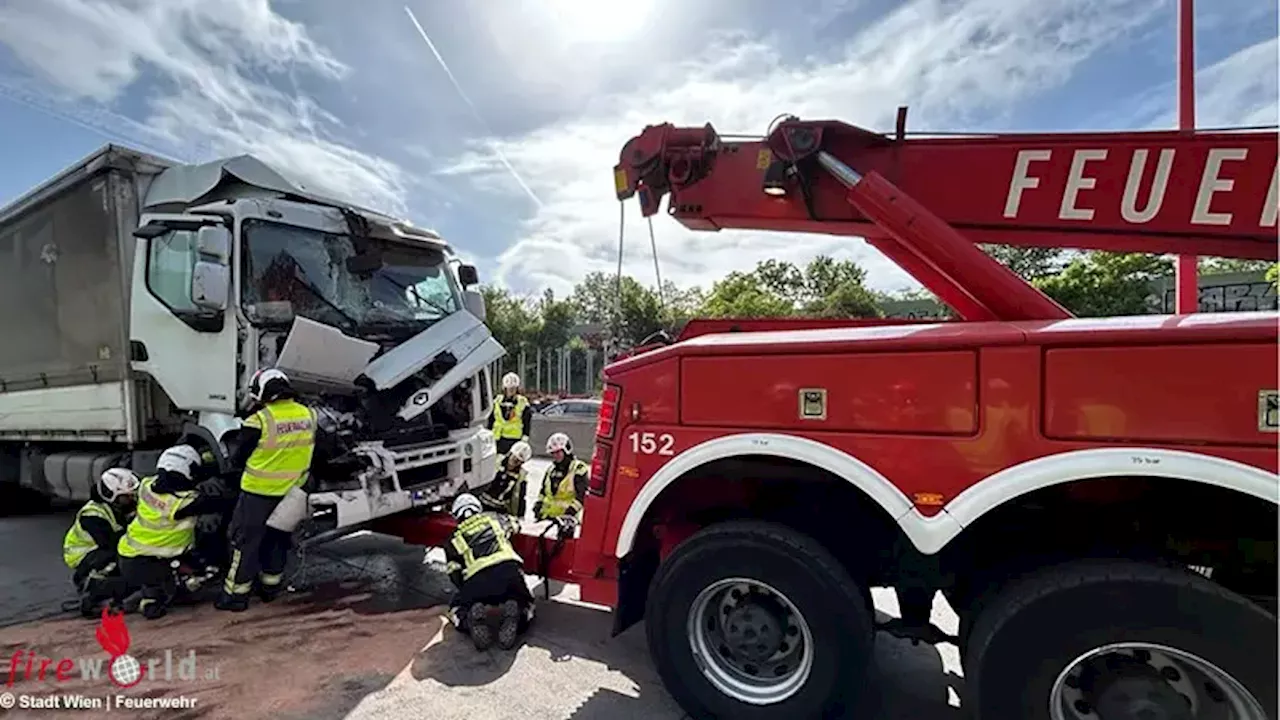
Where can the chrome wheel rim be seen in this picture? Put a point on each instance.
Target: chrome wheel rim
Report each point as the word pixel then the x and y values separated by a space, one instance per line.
pixel 1141 681
pixel 750 641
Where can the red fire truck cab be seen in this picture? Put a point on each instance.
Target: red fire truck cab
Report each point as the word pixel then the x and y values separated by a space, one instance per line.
pixel 1096 498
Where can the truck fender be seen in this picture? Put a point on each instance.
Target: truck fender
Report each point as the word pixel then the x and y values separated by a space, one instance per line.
pixel 841 464
pixel 1013 482
pixel 930 535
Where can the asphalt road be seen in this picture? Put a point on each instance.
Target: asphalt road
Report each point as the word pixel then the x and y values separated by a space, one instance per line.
pixel 568 666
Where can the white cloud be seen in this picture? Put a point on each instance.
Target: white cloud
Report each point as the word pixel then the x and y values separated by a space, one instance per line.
pixel 1237 91
pixel 206 71
pixel 952 62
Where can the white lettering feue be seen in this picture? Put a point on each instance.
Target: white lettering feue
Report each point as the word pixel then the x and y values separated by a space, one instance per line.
pixel 1272 206
pixel 1076 181
pixel 1210 183
pixel 1021 181
pixel 1214 180
pixel 153 703
pixel 1133 184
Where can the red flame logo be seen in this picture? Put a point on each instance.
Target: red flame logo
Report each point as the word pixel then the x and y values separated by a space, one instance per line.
pixel 113 634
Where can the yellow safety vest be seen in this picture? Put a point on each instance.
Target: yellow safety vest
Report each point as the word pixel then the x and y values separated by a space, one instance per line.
pixel 512 429
pixel 481 530
pixel 77 543
pixel 558 495
pixel 282 458
pixel 155 531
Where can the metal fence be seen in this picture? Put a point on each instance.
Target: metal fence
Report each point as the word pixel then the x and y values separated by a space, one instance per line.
pixel 560 372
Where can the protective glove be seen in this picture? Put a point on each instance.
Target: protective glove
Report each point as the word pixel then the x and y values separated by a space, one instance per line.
pixel 213 487
pixel 209 523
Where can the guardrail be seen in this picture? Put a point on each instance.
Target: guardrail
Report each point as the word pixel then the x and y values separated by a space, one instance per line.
pixel 581 432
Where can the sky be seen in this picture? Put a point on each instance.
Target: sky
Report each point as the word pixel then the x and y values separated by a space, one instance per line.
pixel 497 122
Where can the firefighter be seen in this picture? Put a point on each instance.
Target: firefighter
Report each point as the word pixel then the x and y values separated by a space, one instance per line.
pixel 565 483
pixel 512 415
pixel 89 547
pixel 276 445
pixel 506 494
pixel 164 529
pixel 489 576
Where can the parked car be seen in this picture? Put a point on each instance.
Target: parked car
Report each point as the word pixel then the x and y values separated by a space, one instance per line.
pixel 583 408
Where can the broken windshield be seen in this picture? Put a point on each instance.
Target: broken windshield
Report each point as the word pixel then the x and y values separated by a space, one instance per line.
pixel 291 270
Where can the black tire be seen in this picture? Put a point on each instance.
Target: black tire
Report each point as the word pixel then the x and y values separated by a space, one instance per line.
pixel 1037 626
pixel 798 567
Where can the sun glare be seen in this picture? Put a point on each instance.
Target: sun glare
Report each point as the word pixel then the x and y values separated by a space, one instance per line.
pixel 598 20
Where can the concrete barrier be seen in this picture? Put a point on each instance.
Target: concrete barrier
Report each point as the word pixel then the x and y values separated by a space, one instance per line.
pixel 581 432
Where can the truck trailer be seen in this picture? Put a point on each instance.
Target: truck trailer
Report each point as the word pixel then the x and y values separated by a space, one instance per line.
pixel 1095 497
pixel 140 295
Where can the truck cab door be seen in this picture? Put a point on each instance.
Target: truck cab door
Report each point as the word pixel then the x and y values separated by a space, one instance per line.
pixel 182 319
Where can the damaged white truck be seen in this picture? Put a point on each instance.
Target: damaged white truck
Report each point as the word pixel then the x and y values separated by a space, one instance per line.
pixel 139 295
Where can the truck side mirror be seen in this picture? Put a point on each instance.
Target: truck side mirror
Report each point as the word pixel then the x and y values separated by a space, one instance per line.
pixel 214 241
pixel 210 285
pixel 474 303
pixel 468 276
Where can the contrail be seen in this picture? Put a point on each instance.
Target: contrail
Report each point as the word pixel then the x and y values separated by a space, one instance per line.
pixel 476 113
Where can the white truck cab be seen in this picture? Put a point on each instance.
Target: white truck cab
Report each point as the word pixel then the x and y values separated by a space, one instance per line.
pixel 235 268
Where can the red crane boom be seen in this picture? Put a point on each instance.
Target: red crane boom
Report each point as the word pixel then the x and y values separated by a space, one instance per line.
pixel 924 202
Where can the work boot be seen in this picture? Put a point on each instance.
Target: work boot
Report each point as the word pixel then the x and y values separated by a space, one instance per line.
pixel 510 627
pixel 153 609
pixel 481 632
pixel 90 607
pixel 231 603
pixel 267 593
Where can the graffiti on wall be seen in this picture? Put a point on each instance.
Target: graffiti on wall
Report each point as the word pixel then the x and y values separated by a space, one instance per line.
pixel 1232 297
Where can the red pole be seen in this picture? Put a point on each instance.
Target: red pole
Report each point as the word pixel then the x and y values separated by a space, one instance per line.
pixel 1186 271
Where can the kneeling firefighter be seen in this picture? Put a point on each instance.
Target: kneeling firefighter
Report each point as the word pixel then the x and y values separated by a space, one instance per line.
pixel 489 576
pixel 164 529
pixel 89 547
pixel 276 445
pixel 506 494
pixel 565 483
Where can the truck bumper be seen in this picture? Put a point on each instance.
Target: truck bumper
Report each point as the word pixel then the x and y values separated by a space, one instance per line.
pixel 400 479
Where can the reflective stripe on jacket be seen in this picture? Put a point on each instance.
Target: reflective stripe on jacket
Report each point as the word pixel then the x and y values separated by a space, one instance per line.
pixel 510 428
pixel 155 531
pixel 77 543
pixel 506 490
pixel 282 458
pixel 559 496
pixel 481 541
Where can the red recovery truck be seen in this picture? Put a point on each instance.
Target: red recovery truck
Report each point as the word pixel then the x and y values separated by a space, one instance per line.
pixel 1096 498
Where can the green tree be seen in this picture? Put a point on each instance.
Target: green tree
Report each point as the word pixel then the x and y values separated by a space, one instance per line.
pixel 1217 265
pixel 555 320
pixel 745 295
pixel 1029 263
pixel 511 319
pixel 1099 284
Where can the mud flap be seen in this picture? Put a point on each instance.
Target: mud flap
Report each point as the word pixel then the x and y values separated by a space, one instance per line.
pixel 635 571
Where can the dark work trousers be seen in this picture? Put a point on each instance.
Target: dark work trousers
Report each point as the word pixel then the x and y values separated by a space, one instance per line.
pixel 257 551
pixel 98 576
pixel 504 445
pixel 494 586
pixel 153 576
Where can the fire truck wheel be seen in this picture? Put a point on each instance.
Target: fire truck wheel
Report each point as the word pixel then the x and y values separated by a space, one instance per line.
pixel 1121 639
pixel 751 619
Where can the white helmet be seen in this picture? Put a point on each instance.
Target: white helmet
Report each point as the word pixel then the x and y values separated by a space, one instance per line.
pixel 258 385
pixel 521 451
pixel 558 441
pixel 180 459
pixel 511 381
pixel 116 482
pixel 464 506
